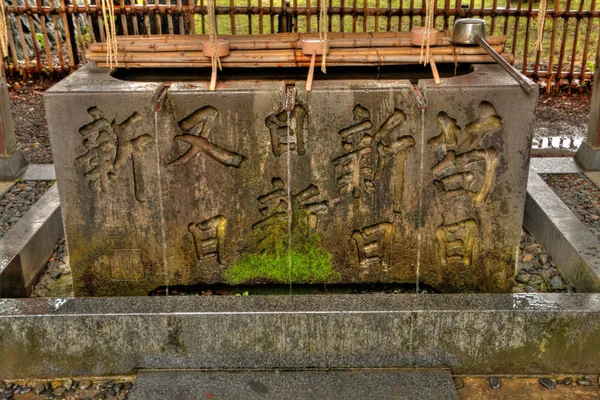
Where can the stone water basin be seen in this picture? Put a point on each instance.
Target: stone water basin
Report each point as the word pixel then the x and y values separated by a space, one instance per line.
pixel 163 182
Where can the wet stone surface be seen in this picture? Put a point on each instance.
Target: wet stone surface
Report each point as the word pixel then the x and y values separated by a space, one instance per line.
pixel 67 389
pixel 18 200
pixel 537 273
pixel 56 280
pixel 580 194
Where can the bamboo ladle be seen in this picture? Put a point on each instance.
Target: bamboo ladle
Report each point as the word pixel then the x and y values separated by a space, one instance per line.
pixel 222 51
pixel 417 38
pixel 311 48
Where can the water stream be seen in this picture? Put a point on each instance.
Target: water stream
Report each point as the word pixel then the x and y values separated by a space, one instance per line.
pixel 422 102
pixel 160 202
pixel 419 239
pixel 289 106
pixel 289 199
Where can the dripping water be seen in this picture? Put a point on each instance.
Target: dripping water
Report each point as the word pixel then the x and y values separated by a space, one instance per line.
pixel 422 102
pixel 289 200
pixel 289 106
pixel 157 102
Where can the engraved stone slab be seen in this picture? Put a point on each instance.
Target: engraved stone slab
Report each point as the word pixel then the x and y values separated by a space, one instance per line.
pixel 258 183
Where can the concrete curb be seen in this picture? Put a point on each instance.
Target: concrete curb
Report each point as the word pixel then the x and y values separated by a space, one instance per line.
pixel 25 249
pixel 573 247
pixel 512 334
pixel 39 172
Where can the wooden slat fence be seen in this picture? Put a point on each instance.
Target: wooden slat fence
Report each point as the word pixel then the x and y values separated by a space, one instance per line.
pixel 53 35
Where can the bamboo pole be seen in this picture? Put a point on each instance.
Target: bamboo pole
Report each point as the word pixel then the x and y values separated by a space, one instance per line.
pixel 22 40
pixel 61 60
pixel 401 45
pixel 36 45
pixel 49 61
pixel 563 43
pixel 294 56
pixel 13 49
pixel 408 60
pixel 552 41
pixel 575 39
pixel 69 43
pixel 586 47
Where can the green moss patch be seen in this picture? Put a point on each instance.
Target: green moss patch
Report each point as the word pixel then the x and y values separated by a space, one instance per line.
pixel 269 257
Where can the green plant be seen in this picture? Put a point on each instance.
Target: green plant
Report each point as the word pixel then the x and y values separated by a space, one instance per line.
pixel 270 257
pixel 40 39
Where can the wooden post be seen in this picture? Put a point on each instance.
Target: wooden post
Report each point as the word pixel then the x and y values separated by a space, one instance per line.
pixel 588 154
pixel 12 162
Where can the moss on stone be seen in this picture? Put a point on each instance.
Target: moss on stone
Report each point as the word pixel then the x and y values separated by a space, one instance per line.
pixel 269 256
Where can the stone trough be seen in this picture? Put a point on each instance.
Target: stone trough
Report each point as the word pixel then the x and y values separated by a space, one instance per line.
pixel 357 181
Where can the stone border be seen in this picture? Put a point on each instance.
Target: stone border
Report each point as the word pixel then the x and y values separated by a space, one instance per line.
pixel 39 172
pixel 26 247
pixel 475 334
pixel 572 246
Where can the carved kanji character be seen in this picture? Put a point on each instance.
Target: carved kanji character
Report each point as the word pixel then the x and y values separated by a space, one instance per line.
pixel 208 238
pixel 202 121
pixel 108 148
pixel 373 245
pixel 465 164
pixel 458 242
pixel 283 127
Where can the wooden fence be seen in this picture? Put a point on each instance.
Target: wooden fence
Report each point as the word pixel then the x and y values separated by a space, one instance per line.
pixel 53 35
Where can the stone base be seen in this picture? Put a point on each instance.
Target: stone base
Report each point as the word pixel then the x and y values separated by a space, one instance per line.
pixel 588 157
pixel 471 334
pixel 12 166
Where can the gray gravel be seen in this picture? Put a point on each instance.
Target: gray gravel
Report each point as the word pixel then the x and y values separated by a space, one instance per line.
pixel 537 272
pixel 18 200
pixel 580 194
pixel 56 280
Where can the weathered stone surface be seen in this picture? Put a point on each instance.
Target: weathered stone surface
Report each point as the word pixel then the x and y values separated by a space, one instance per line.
pixel 478 334
pixel 212 187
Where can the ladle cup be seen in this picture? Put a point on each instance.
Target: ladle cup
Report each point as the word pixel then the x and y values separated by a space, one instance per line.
pixel 311 48
pixel 469 31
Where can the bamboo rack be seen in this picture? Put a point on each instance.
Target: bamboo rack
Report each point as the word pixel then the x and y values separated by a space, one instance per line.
pixel 385 48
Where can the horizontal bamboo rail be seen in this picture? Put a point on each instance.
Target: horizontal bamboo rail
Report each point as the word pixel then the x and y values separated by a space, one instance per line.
pixel 407 60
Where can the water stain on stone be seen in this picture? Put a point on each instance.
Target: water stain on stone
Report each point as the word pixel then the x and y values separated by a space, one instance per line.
pixel 258 387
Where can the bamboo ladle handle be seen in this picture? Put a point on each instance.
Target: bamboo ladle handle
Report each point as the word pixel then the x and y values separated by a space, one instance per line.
pixel 311 71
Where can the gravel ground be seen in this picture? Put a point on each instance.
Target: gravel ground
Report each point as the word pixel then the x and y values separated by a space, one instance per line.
pixel 29 119
pixel 56 280
pixel 18 200
pixel 580 194
pixel 554 388
pixel 68 389
pixel 537 274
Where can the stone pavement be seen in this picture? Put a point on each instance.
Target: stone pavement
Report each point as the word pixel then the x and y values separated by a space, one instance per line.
pixel 299 385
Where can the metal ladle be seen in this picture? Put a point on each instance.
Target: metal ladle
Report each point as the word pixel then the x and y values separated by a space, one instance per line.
pixel 471 31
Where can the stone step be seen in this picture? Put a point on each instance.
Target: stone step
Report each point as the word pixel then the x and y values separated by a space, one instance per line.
pixel 361 384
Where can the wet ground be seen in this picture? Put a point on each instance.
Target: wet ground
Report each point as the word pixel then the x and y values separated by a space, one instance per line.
pixel 580 194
